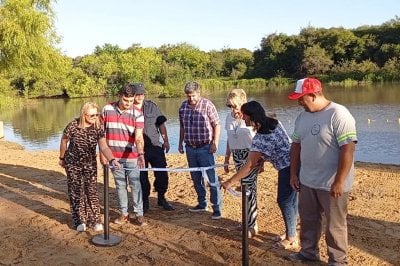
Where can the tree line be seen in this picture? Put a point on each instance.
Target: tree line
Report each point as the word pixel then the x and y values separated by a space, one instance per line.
pixel 32 66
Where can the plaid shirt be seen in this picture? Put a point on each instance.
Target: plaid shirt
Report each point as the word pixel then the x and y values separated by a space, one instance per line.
pixel 198 122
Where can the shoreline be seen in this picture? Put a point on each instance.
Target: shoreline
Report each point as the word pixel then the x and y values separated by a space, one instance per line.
pixel 20 147
pixel 36 221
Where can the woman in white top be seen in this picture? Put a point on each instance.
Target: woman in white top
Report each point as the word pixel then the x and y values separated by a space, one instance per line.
pixel 238 145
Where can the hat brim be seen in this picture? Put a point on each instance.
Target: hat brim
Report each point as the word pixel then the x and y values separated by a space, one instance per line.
pixel 295 95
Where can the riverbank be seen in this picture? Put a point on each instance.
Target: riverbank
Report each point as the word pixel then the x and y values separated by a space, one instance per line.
pixel 35 224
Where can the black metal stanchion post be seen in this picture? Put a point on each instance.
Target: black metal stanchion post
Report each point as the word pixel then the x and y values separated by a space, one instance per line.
pixel 106 239
pixel 245 227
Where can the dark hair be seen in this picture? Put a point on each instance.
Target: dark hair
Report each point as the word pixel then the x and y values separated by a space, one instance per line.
pixel 262 123
pixel 127 91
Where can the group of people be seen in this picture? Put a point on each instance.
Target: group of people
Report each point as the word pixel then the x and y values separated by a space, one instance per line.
pixel 128 132
pixel 315 165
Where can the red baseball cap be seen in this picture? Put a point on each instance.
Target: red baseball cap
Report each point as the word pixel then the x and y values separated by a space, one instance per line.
pixel 305 86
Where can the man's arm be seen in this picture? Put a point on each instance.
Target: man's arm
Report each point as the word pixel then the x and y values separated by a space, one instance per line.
pixel 295 165
pixel 181 137
pixel 215 141
pixel 139 143
pixel 164 136
pixel 346 157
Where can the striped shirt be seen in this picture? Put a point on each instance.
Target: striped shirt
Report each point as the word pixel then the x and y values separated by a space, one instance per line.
pixel 120 129
pixel 198 122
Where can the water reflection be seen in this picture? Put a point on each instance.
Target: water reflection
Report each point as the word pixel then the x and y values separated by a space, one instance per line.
pixel 376 109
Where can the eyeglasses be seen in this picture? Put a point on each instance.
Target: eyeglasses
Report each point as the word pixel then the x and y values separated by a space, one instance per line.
pixel 92 115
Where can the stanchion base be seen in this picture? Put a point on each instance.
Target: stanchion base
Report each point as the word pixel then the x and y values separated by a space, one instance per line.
pixel 112 240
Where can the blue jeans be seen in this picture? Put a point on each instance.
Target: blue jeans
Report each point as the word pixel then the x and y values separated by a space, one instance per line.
pixel 287 201
pixel 120 178
pixel 201 157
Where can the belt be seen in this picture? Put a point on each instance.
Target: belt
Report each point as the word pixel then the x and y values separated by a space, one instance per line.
pixel 197 145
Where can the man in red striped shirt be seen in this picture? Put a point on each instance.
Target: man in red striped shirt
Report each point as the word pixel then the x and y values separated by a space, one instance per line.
pixel 123 124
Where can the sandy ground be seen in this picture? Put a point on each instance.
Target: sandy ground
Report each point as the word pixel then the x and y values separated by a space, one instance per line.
pixel 35 223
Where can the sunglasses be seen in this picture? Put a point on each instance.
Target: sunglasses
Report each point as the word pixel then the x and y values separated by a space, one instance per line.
pixel 231 106
pixel 93 115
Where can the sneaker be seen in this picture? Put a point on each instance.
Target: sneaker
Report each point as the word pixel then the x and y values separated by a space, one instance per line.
pixel 162 202
pixel 123 218
pixel 81 228
pixel 140 221
pixel 298 257
pixel 98 227
pixel 216 216
pixel 198 209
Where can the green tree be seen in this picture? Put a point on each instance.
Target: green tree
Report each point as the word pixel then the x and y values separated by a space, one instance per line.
pixel 237 61
pixel 187 56
pixel 27 48
pixel 280 54
pixel 316 60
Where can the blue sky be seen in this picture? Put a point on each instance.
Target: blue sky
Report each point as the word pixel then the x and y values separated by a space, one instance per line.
pixel 206 24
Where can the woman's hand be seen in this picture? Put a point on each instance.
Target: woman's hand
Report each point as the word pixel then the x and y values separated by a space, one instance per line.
pixel 227 184
pixel 226 168
pixel 226 162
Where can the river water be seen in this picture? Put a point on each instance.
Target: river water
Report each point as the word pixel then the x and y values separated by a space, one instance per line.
pixel 376 109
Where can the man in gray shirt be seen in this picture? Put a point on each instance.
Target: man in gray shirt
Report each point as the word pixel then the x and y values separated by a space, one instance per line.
pixel 324 141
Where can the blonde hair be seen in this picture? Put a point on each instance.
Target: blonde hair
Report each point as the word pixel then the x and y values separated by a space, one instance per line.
pixel 84 109
pixel 236 97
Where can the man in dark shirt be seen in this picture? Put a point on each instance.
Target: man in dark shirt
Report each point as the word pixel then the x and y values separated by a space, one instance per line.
pixel 154 127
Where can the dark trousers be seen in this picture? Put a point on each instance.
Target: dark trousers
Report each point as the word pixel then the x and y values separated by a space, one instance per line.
pixel 154 156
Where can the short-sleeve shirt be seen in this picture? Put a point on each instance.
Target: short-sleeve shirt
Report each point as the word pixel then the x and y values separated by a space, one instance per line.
pixel 153 118
pixel 275 147
pixel 198 122
pixel 82 143
pixel 321 134
pixel 120 130
pixel 239 135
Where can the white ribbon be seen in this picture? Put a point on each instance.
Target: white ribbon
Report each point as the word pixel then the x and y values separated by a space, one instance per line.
pixel 203 171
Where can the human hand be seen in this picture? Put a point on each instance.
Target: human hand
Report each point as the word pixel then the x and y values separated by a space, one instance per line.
pixel 261 168
pixel 166 146
pixel 61 163
pixel 226 162
pixel 294 182
pixel 180 149
pixel 103 160
pixel 226 169
pixel 336 189
pixel 227 184
pixel 116 165
pixel 213 147
pixel 140 161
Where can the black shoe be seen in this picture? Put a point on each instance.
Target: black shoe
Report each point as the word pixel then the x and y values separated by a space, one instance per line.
pixel 298 257
pixel 165 204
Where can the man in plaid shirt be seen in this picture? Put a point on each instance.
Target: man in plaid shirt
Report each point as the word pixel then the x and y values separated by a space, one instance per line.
pixel 200 130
